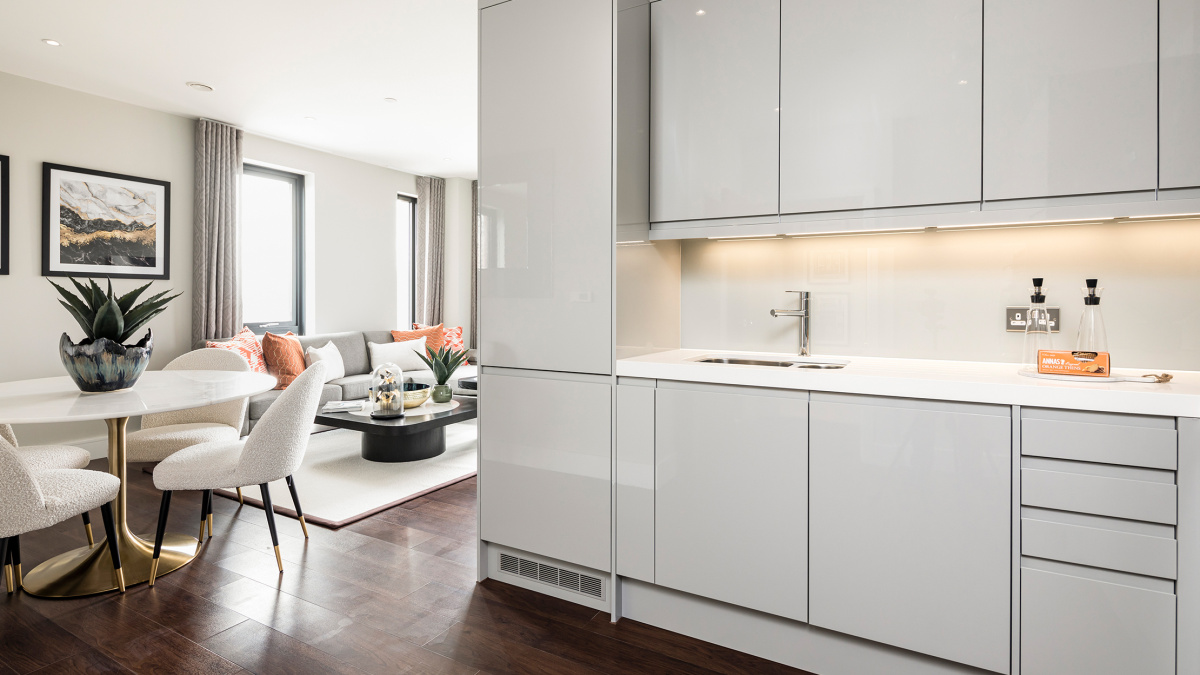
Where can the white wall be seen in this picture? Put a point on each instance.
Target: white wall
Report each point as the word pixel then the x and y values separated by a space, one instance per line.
pixel 942 295
pixel 352 247
pixel 352 252
pixel 456 304
pixel 43 123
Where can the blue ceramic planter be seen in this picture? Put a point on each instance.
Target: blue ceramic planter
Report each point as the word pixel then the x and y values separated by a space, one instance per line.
pixel 103 365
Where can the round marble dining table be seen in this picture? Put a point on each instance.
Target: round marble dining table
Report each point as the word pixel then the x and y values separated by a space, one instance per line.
pixel 89 570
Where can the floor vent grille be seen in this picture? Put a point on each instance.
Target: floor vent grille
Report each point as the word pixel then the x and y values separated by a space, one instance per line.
pixel 555 576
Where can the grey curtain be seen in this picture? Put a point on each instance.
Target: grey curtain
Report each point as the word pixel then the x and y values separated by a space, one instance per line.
pixel 429 250
pixel 474 343
pixel 216 286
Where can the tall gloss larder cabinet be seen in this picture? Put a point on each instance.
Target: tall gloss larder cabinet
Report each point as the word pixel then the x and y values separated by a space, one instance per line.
pixel 545 185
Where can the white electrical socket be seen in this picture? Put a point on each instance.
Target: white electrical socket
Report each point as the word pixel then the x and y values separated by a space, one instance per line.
pixel 1014 319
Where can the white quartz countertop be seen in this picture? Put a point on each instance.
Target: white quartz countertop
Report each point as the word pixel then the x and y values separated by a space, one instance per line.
pixel 925 379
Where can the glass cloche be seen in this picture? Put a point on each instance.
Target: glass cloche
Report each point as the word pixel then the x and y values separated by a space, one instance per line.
pixel 387 391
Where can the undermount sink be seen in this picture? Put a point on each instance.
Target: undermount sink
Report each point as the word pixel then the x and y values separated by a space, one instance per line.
pixel 739 361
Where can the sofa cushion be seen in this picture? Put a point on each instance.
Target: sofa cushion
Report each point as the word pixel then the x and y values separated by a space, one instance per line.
pixel 379 337
pixel 354 386
pixel 351 346
pixel 260 402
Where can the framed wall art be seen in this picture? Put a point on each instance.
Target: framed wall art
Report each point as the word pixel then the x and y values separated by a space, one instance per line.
pixel 101 224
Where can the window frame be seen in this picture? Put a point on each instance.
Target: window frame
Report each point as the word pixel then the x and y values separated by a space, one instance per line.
pixel 412 257
pixel 296 322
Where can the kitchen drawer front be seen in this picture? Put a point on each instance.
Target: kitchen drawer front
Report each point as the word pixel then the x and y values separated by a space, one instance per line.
pixel 1073 625
pixel 1096 547
pixel 1096 437
pixel 1100 495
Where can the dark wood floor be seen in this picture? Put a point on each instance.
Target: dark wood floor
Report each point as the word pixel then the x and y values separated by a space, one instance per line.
pixel 395 593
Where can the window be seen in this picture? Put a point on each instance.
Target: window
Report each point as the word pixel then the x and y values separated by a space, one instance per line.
pixel 406 286
pixel 272 230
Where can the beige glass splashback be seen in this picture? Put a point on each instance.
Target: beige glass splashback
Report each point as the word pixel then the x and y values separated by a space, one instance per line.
pixel 941 295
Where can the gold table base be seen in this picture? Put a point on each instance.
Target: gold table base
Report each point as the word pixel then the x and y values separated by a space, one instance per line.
pixel 89 570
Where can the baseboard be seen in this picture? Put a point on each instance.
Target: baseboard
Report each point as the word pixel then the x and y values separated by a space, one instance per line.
pixel 789 642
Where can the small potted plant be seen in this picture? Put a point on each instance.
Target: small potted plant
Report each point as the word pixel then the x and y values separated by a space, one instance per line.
pixel 443 363
pixel 101 362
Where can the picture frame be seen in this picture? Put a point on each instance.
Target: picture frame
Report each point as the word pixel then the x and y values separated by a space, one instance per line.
pixel 103 224
pixel 4 208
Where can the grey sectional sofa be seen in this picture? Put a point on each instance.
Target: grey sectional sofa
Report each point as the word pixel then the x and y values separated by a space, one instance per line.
pixel 356 357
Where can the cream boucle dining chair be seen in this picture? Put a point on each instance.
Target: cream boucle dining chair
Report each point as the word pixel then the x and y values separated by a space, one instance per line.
pixel 163 434
pixel 48 457
pixel 32 501
pixel 272 451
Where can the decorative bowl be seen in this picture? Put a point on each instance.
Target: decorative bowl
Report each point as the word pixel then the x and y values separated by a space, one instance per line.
pixel 415 394
pixel 103 365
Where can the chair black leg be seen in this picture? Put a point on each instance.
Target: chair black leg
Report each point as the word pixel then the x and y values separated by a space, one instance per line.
pixel 266 499
pixel 114 550
pixel 87 528
pixel 164 508
pixel 209 513
pixel 14 554
pixel 8 581
pixel 296 502
pixel 205 495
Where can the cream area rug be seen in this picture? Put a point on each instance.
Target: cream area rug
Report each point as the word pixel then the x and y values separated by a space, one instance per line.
pixel 338 487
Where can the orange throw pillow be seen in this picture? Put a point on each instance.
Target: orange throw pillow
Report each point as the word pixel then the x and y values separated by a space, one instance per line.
pixel 246 346
pixel 434 336
pixel 454 338
pixel 284 356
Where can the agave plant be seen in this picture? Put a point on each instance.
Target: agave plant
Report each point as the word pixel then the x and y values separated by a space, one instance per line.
pixel 443 362
pixel 104 315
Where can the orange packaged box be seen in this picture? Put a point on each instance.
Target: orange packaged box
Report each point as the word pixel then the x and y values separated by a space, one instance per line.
pixel 1083 364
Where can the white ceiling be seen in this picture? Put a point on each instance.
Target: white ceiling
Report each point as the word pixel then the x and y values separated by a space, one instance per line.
pixel 272 63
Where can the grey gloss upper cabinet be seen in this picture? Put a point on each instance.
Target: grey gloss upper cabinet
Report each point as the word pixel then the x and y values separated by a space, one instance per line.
pixel 1179 93
pixel 546 232
pixel 730 501
pixel 910 539
pixel 1070 97
pixel 714 124
pixel 881 103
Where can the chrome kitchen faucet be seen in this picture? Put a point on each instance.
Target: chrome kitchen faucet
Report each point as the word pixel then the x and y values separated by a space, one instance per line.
pixel 805 316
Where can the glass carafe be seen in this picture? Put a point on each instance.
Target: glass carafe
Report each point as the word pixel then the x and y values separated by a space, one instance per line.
pixel 1092 336
pixel 1038 335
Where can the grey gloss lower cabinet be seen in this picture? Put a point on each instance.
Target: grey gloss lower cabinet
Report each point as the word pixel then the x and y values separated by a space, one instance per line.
pixel 910 527
pixel 545 462
pixel 1073 625
pixel 731 470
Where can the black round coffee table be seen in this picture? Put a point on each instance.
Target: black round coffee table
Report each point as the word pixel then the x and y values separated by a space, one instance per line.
pixel 408 439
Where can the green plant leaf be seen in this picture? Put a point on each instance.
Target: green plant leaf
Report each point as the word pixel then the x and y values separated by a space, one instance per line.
pixel 80 319
pixel 98 297
pixel 85 293
pixel 133 328
pixel 142 311
pixel 110 322
pixel 72 299
pixel 126 301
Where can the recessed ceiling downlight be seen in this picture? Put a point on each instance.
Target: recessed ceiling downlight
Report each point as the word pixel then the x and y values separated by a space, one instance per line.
pixel 52 43
pixel 199 86
pixel 389 99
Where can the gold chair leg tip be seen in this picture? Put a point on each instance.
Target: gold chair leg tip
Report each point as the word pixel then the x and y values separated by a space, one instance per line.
pixel 18 578
pixel 121 580
pixel 153 571
pixel 304 527
pixel 241 501
pixel 91 538
pixel 278 560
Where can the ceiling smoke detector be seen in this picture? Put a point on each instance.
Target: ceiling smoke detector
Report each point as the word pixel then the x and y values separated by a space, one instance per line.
pixel 52 43
pixel 200 86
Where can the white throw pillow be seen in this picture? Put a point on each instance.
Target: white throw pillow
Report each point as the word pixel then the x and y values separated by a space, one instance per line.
pixel 403 354
pixel 335 367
